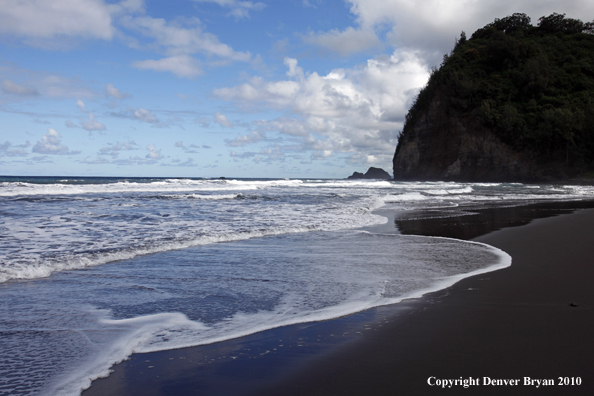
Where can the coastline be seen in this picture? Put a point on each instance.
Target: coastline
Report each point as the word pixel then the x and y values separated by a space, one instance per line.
pixel 510 323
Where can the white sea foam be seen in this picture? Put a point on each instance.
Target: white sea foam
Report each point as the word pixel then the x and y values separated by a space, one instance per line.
pixel 345 284
pixel 413 196
pixel 38 253
pixel 174 185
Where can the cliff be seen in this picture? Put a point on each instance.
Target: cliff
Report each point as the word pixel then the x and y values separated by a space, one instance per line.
pixel 513 103
pixel 442 146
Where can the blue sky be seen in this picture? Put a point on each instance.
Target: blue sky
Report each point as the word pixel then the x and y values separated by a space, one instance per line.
pixel 208 88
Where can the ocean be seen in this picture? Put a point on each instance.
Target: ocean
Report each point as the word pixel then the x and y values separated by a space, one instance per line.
pixel 95 269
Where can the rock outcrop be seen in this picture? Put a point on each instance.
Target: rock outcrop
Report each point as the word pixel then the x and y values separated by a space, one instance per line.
pixel 442 146
pixel 372 173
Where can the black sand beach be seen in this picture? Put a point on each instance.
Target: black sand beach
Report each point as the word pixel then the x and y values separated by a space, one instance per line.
pixel 533 319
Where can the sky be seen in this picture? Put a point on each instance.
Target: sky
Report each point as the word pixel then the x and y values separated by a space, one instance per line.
pixel 210 88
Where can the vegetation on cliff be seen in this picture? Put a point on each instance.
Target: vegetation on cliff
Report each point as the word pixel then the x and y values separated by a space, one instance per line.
pixel 532 86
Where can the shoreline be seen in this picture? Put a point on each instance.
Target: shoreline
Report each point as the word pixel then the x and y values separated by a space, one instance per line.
pixel 383 350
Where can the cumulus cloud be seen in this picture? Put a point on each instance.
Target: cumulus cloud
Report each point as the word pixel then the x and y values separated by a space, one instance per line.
pixel 145 116
pixel 92 124
pixel 10 87
pixel 361 95
pixel 294 70
pixel 239 9
pixel 112 91
pixel 222 120
pixel 47 19
pixel 179 41
pixel 57 24
pixel 50 143
pixel 188 150
pixel 432 25
pixel 285 125
pixel 153 153
pixel 357 110
pixel 242 140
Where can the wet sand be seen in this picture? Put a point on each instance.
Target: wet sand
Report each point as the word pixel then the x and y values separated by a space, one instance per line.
pixel 533 319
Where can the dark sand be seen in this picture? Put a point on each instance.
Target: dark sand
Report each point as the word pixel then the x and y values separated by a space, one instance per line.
pixel 534 319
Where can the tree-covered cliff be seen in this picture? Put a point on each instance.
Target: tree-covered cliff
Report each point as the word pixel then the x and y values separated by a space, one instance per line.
pixel 513 102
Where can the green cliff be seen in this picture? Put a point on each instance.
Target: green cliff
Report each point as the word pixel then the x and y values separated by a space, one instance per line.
pixel 515 102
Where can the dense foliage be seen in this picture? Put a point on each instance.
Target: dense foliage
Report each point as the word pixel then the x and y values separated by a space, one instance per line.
pixel 533 86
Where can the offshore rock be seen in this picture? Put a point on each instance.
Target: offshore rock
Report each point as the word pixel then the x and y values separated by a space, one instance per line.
pixel 372 173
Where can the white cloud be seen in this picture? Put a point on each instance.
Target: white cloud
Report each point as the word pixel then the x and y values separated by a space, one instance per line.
pixel 93 124
pixel 47 19
pixel 180 65
pixel 242 140
pixel 431 26
pixel 62 87
pixel 33 84
pixel 111 90
pixel 284 125
pixel 222 120
pixel 178 40
pixel 294 70
pixel 189 150
pixel 347 42
pixel 50 143
pixel 362 94
pixel 177 162
pixel 153 153
pixel 239 9
pixel 7 149
pixel 266 155
pixel 114 150
pixel 358 110
pixel 145 116
pixel 10 87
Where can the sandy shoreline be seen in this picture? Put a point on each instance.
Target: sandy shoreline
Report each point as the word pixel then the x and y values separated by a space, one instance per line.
pixel 509 324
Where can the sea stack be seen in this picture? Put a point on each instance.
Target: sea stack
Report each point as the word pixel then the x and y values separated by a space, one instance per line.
pixel 372 173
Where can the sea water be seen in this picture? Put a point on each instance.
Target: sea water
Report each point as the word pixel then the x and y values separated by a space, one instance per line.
pixel 95 269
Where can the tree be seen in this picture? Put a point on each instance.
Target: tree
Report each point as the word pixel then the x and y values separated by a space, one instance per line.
pixel 559 23
pixel 515 22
